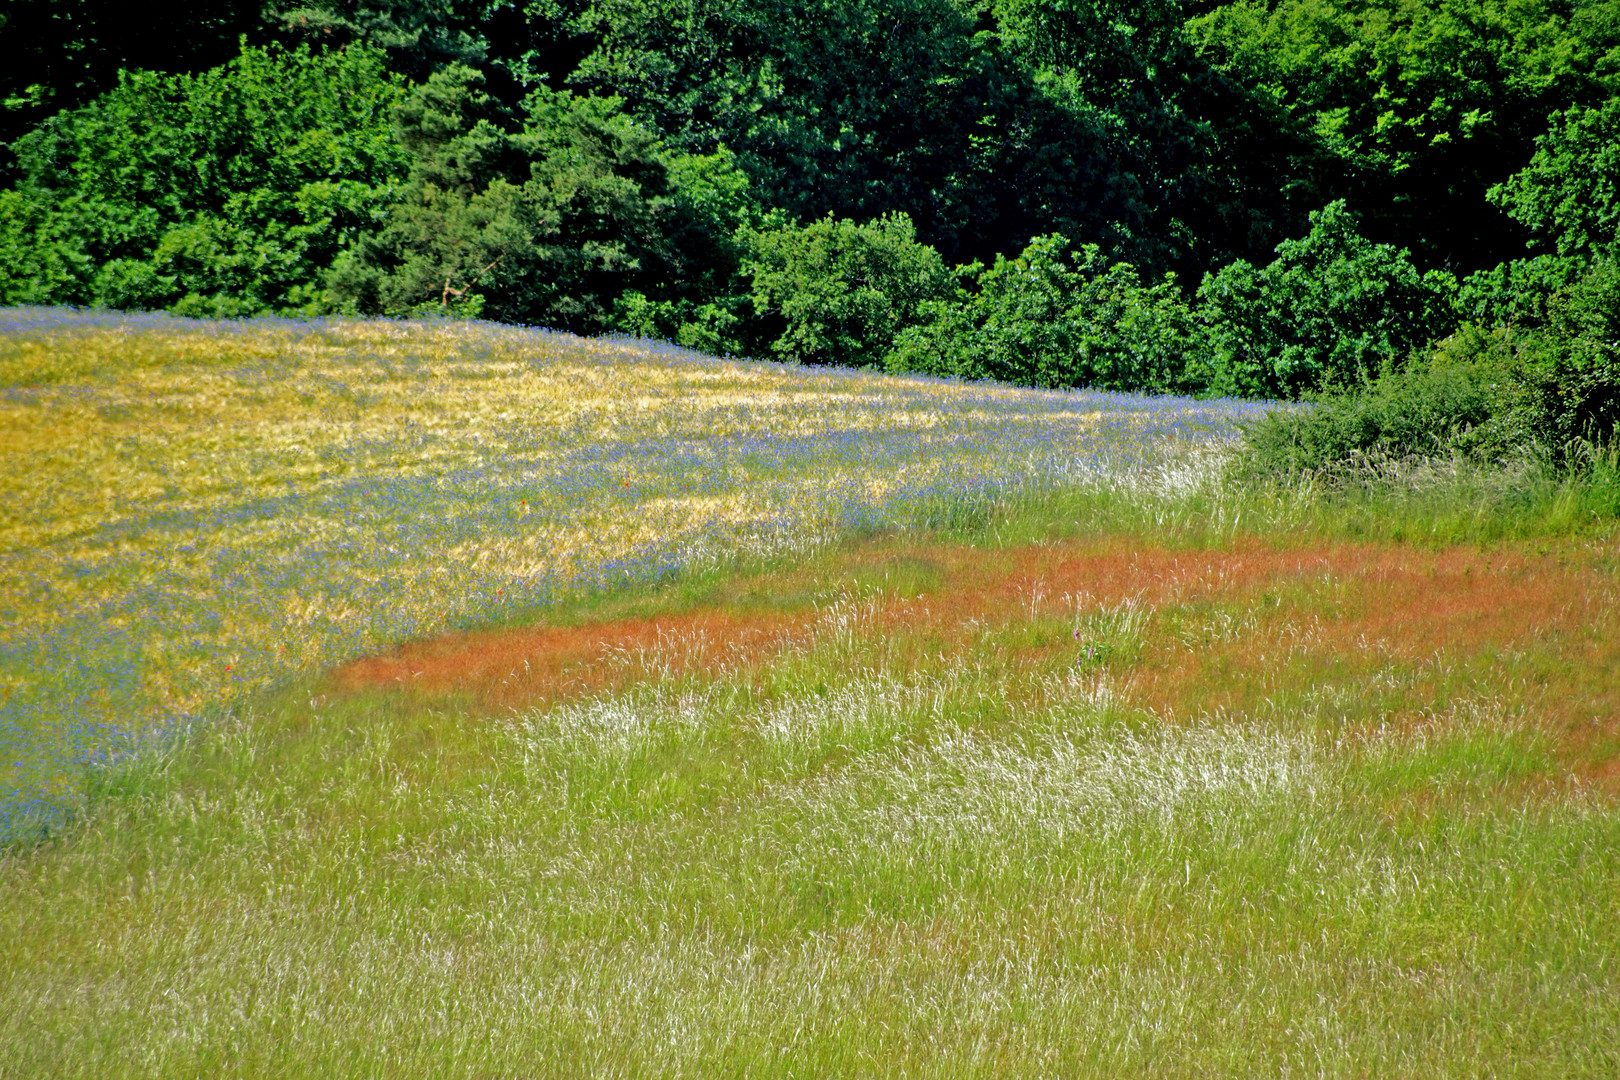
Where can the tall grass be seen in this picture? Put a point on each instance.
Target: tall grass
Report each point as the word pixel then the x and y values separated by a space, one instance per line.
pixel 1112 768
pixel 197 510
pixel 862 855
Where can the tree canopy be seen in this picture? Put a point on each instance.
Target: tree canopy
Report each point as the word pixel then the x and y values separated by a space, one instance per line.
pixel 1244 196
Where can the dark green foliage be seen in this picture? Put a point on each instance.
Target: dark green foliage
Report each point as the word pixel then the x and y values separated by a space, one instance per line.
pixel 647 166
pixel 224 193
pixel 1420 107
pixel 1168 142
pixel 1568 375
pixel 1200 170
pixel 962 118
pixel 1517 293
pixel 853 108
pixel 1486 393
pixel 1053 317
pixel 1561 312
pixel 841 291
pixel 1333 310
pixel 704 304
pixel 462 228
pixel 553 214
pixel 1432 411
pixel 418 34
pixel 1569 194
pixel 59 54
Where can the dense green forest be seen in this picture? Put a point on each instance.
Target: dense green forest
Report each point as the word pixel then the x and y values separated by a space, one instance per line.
pixel 1267 198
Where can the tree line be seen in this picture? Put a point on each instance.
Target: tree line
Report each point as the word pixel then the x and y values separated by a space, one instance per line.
pixel 1263 198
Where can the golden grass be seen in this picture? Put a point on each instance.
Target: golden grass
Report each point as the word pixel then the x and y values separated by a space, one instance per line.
pixel 196 510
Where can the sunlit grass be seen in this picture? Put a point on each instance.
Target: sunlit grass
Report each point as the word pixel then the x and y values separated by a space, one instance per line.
pixel 904 843
pixel 194 510
pixel 1059 756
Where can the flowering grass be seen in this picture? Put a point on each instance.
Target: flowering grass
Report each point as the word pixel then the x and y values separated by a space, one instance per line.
pixel 194 510
pixel 1099 766
pixel 917 829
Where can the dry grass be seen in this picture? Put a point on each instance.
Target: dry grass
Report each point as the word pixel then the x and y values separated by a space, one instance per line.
pixel 1220 631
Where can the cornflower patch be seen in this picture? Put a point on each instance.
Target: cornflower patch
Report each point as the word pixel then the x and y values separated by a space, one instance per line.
pixel 280 496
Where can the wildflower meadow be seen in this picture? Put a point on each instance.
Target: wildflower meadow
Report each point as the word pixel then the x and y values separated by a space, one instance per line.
pixel 194 510
pixel 447 699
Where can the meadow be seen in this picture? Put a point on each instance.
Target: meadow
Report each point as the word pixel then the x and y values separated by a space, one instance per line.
pixel 405 699
pixel 194 510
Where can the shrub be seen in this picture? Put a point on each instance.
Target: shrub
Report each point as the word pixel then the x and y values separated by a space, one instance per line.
pixel 840 292
pixel 1425 411
pixel 1490 393
pixel 1054 317
pixel 1333 310
pixel 1567 376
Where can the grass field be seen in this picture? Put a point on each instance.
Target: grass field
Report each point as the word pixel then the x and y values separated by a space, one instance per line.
pixel 196 510
pixel 873 728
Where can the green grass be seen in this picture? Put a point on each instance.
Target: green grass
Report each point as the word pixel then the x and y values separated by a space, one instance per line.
pixel 1137 775
pixel 856 858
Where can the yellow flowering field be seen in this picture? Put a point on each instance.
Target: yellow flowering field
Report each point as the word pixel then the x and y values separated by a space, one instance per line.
pixel 197 509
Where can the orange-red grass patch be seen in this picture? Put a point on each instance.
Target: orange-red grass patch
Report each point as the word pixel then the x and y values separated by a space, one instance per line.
pixel 1541 628
pixel 538 665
